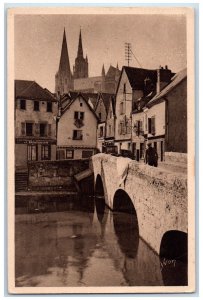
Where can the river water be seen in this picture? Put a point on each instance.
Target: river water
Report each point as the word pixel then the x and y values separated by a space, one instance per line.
pixel 75 243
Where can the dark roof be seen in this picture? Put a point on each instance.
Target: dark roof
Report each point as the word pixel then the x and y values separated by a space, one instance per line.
pixel 92 97
pixel 27 89
pixel 142 102
pixel 106 97
pixel 177 78
pixel 137 76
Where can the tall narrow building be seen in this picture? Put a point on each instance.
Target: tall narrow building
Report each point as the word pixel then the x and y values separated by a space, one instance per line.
pixel 64 77
pixel 80 70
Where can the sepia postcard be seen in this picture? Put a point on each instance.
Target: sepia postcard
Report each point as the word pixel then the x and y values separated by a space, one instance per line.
pixel 101 150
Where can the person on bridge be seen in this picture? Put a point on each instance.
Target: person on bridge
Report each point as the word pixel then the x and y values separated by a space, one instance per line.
pixel 151 156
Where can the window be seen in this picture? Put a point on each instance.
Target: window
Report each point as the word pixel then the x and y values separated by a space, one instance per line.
pixel 121 108
pixel 32 152
pixel 81 104
pixel 49 106
pixel 124 88
pixel 151 125
pixel 29 129
pixel 79 115
pixel 46 152
pixel 69 154
pixel 139 128
pixel 122 128
pixel 36 105
pixel 42 129
pixel 22 104
pixel 109 129
pixel 77 134
pixel 101 131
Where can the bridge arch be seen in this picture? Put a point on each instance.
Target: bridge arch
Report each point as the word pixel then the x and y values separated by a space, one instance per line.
pixel 125 223
pixel 174 245
pixel 174 258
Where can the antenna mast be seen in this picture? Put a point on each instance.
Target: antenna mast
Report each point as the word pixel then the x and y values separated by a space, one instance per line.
pixel 128 53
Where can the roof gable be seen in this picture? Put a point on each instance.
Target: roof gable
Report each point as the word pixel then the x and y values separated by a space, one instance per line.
pixel 67 107
pixel 31 90
pixel 176 79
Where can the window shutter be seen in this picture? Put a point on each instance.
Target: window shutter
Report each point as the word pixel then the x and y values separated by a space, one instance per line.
pixel 119 128
pixel 49 129
pixel 37 128
pixel 22 128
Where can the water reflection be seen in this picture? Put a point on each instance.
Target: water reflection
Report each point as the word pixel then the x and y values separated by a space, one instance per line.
pixel 126 229
pixel 66 247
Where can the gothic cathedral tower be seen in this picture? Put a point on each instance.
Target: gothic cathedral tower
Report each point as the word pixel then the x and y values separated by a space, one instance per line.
pixel 80 70
pixel 64 77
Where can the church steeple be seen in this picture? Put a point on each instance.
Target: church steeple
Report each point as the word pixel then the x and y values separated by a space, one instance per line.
pixel 64 64
pixel 103 71
pixel 64 78
pixel 80 50
pixel 80 69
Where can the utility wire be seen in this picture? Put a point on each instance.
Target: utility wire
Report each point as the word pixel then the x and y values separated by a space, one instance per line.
pixel 136 58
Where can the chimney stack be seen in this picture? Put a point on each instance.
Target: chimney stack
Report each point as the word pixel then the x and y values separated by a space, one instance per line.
pixel 158 83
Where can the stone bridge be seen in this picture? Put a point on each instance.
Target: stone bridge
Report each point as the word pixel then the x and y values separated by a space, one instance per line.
pixel 157 197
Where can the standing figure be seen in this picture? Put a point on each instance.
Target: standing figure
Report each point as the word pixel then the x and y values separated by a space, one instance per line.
pixel 151 156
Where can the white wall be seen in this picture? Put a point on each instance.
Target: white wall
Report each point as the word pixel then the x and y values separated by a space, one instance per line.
pixel 66 126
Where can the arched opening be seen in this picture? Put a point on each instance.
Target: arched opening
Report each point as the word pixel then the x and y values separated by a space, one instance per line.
pixel 174 258
pixel 125 224
pixel 100 199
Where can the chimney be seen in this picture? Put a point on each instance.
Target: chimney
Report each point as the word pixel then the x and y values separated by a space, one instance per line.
pixel 158 82
pixel 166 67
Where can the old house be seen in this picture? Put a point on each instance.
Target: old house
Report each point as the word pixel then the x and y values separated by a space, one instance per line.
pixel 135 85
pixel 167 117
pixel 101 110
pixel 110 127
pixel 35 123
pixel 77 128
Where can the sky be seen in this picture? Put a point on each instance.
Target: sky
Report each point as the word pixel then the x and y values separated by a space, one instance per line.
pixel 155 40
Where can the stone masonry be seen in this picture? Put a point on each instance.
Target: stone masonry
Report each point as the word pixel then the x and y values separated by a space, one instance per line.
pixel 159 196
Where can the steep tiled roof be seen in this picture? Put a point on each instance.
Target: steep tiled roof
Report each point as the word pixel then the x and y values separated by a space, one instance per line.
pixel 26 89
pixel 106 97
pixel 137 76
pixel 176 79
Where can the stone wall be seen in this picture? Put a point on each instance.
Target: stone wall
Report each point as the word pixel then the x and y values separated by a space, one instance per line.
pixel 54 175
pixel 159 197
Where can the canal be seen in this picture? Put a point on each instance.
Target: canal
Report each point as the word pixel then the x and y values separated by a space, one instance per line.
pixel 80 242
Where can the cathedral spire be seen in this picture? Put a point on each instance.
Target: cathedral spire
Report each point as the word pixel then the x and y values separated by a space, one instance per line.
pixel 80 50
pixel 64 64
pixel 80 69
pixel 63 78
pixel 103 71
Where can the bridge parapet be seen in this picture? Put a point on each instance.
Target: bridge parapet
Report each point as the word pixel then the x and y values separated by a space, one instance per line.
pixel 159 196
